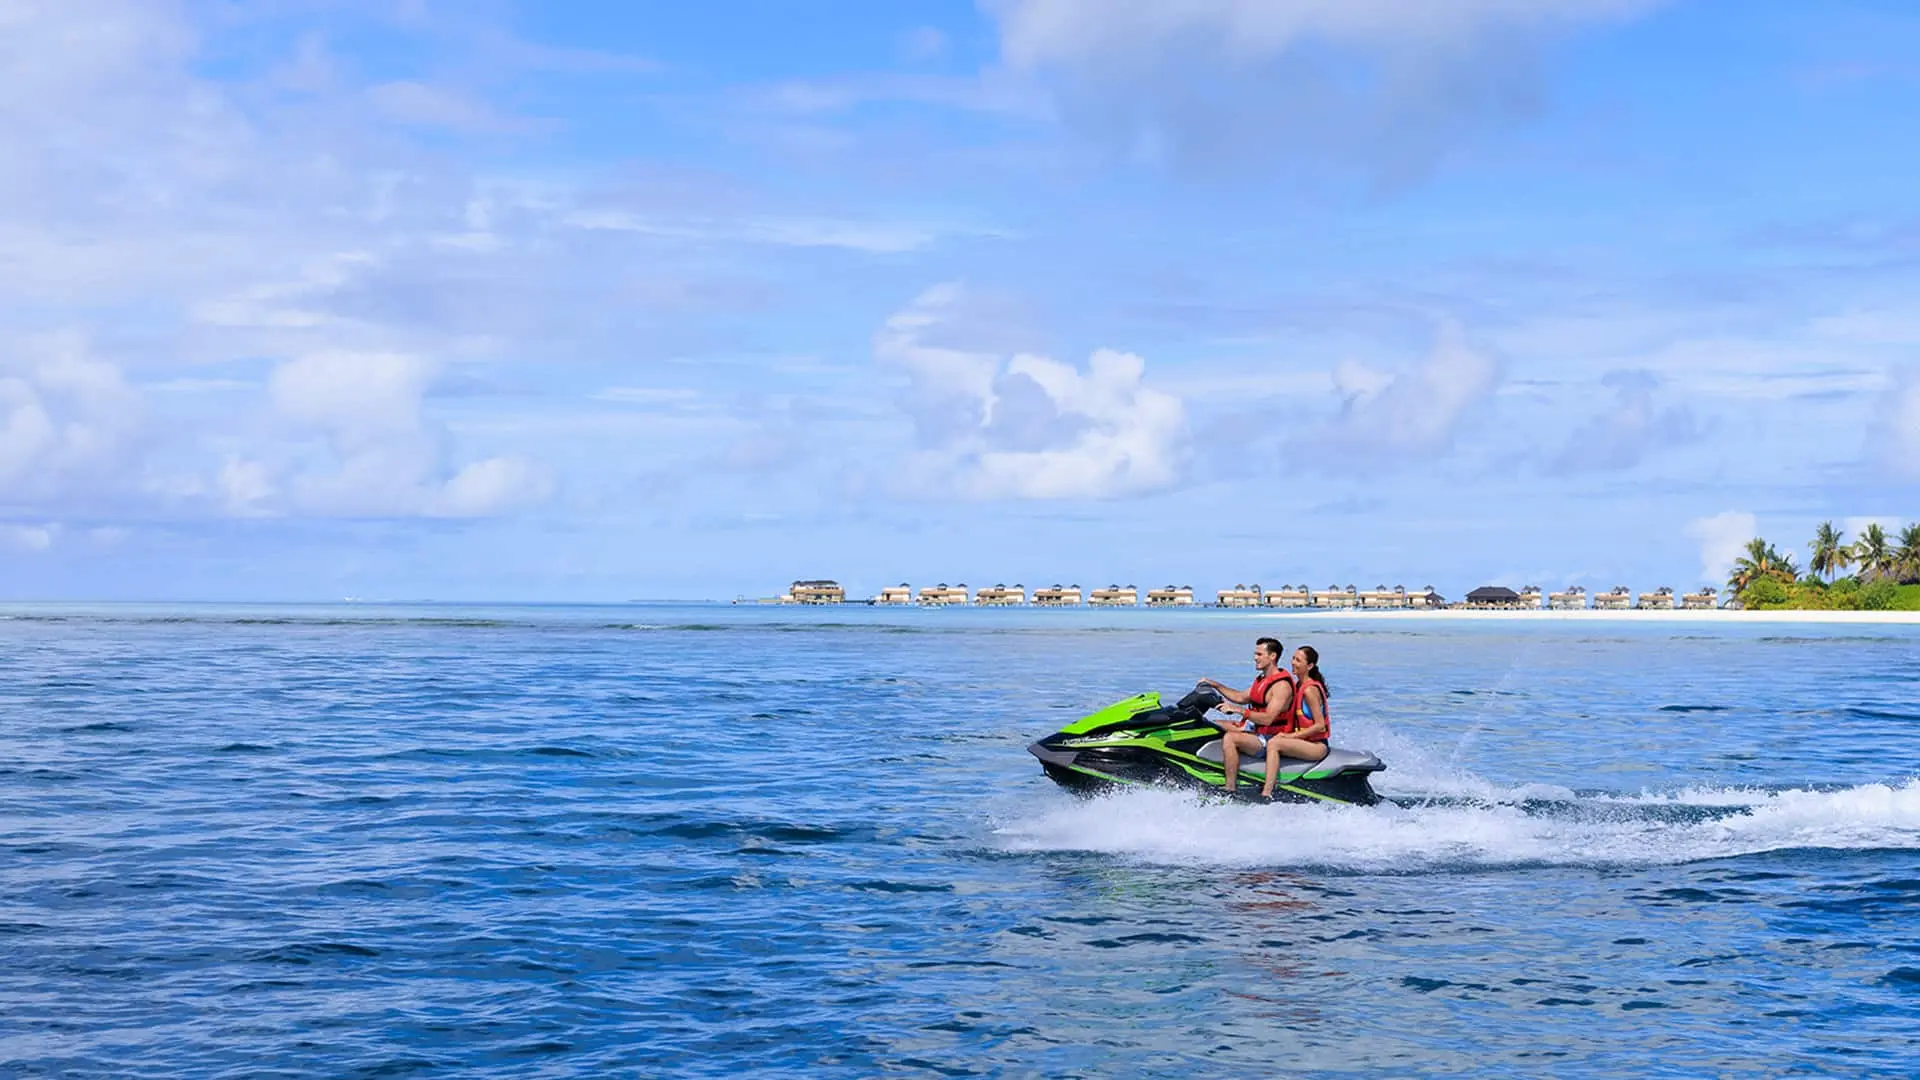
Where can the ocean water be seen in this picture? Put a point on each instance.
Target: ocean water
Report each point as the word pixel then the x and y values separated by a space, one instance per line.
pixel 652 840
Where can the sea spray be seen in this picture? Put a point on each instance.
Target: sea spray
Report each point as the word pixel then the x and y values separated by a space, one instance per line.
pixel 1519 831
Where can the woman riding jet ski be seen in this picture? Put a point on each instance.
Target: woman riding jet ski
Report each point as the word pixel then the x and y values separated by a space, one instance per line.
pixel 1140 741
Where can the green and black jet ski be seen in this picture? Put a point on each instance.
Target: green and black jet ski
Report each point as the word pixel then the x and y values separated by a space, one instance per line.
pixel 1140 741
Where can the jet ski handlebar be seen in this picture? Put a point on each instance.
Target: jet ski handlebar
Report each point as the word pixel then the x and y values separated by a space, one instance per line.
pixel 1201 698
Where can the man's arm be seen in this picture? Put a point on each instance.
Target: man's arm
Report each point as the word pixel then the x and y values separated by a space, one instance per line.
pixel 1238 697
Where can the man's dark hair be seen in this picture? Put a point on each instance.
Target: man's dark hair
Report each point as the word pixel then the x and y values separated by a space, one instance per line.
pixel 1272 644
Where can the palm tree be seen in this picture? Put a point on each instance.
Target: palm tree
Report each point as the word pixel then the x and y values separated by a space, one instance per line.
pixel 1760 561
pixel 1873 553
pixel 1830 552
pixel 1906 561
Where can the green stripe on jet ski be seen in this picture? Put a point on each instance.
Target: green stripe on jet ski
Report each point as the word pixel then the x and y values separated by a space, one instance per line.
pixel 1198 775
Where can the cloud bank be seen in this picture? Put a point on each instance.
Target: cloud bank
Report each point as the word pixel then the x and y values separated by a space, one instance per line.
pixel 1027 426
pixel 1382 84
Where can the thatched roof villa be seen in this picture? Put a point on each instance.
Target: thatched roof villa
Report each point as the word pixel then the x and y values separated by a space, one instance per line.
pixel 1289 596
pixel 1704 600
pixel 1615 599
pixel 943 595
pixel 814 592
pixel 1057 596
pixel 1001 596
pixel 1115 596
pixel 1573 599
pixel 1240 596
pixel 1660 599
pixel 895 595
pixel 1170 596
pixel 1493 596
pixel 1336 597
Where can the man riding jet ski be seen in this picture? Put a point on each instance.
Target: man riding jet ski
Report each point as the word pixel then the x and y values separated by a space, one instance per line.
pixel 1140 741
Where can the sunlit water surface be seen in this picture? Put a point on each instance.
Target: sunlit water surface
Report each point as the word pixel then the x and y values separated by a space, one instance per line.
pixel 713 841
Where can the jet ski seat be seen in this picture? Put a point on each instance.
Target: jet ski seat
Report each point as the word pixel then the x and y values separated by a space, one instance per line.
pixel 1256 764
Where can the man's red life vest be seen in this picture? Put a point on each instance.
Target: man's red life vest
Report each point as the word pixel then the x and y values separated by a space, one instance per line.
pixel 1297 718
pixel 1257 701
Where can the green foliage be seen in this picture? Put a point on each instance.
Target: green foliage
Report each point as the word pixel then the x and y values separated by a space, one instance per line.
pixel 1879 596
pixel 1874 553
pixel 1830 551
pixel 1763 593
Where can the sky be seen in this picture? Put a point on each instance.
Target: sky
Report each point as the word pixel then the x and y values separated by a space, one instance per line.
pixel 601 300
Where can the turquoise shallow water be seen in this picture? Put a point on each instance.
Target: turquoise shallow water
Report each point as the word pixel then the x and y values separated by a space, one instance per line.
pixel 691 840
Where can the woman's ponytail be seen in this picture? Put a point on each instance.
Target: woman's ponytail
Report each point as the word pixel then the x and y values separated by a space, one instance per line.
pixel 1313 669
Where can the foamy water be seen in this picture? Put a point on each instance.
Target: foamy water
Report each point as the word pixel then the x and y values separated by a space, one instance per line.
pixel 1516 832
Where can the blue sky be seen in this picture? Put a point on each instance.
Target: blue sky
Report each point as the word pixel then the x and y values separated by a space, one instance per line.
pixel 593 301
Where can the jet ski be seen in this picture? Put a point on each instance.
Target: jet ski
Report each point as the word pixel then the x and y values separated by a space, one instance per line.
pixel 1140 741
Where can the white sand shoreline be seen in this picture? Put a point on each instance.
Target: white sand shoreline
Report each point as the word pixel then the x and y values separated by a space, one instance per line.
pixel 1716 616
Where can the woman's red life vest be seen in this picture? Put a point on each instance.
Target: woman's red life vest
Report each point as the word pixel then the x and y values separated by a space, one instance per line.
pixel 1257 701
pixel 1297 718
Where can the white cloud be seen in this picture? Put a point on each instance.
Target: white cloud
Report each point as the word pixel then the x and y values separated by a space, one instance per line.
pixel 69 423
pixel 1413 411
pixel 1040 31
pixel 1188 80
pixel 246 488
pixel 1027 426
pixel 388 460
pixel 1898 432
pixel 872 237
pixel 422 104
pixel 30 538
pixel 1722 538
pixel 1629 429
pixel 1852 527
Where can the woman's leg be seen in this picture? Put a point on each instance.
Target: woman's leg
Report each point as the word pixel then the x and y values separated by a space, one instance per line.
pixel 1299 749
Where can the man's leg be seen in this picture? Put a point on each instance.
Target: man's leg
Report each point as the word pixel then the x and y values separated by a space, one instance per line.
pixel 1273 767
pixel 1230 757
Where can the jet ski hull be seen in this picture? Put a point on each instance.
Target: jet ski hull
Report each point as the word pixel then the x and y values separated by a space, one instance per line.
pixel 1140 742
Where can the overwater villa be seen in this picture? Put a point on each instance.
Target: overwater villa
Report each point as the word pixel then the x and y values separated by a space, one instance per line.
pixel 1115 596
pixel 814 592
pixel 1001 596
pixel 1530 597
pixel 1170 596
pixel 1574 599
pixel 895 594
pixel 1426 598
pixel 1336 597
pixel 1660 599
pixel 1289 596
pixel 1704 600
pixel 1494 597
pixel 1240 596
pixel 1057 596
pixel 1382 597
pixel 943 595
pixel 1617 599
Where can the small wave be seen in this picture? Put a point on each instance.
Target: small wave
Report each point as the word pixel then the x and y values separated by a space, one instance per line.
pixel 1175 827
pixel 1694 708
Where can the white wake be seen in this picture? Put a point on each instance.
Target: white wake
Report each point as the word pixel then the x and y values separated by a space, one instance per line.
pixel 1504 828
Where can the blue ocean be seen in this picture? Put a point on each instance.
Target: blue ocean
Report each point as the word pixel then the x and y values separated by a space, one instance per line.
pixel 706 840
